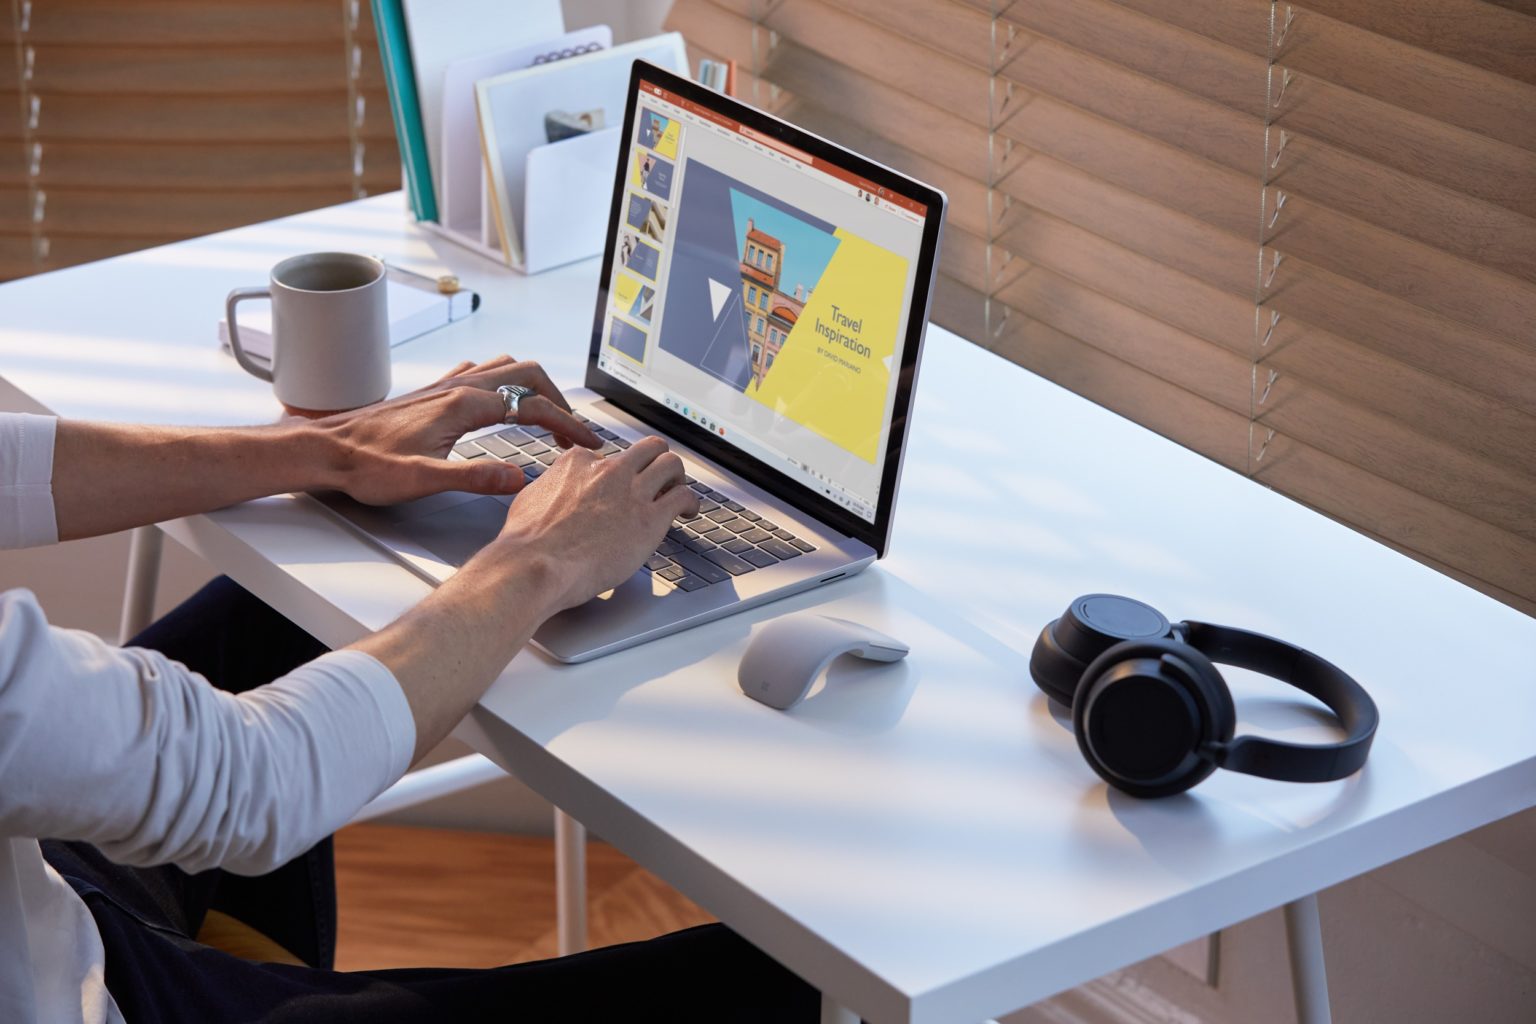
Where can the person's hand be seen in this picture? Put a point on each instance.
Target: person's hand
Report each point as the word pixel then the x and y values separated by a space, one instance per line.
pixel 547 409
pixel 596 520
pixel 397 450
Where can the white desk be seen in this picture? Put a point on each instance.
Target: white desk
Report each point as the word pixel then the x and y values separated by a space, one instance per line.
pixel 923 843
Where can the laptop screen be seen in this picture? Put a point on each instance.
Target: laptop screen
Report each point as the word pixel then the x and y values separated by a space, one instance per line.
pixel 761 291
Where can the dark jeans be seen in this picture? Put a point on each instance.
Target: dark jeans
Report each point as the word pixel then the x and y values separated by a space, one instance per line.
pixel 157 972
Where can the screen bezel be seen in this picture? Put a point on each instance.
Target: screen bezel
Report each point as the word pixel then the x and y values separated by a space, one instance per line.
pixel 646 409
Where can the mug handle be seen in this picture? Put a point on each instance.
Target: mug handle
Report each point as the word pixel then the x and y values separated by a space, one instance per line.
pixel 248 364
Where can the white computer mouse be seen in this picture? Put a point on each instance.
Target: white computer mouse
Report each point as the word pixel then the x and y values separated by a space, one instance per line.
pixel 786 656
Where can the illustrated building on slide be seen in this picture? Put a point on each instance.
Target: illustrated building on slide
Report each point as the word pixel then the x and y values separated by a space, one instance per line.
pixel 770 313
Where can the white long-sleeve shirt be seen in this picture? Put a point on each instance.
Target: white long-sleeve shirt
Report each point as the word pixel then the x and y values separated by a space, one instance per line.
pixel 135 753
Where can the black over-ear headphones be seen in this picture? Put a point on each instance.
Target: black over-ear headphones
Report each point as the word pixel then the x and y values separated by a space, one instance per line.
pixel 1154 717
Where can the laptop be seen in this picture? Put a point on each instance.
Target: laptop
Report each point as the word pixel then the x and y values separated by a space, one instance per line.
pixel 762 306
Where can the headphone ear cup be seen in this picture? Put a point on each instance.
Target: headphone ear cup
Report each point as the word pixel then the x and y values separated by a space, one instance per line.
pixel 1145 713
pixel 1055 671
pixel 1091 625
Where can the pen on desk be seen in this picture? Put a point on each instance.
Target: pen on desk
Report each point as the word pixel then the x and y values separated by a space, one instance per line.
pixel 447 284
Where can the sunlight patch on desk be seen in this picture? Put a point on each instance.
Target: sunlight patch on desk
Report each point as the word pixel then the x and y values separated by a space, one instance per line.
pixel 95 350
pixel 163 402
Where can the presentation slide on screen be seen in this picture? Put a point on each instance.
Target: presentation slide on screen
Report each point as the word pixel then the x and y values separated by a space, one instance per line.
pixel 791 311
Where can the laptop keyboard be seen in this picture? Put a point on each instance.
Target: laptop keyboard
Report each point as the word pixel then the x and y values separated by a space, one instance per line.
pixel 726 539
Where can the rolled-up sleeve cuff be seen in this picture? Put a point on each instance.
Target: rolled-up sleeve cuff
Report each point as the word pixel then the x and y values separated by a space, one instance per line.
pixel 27 517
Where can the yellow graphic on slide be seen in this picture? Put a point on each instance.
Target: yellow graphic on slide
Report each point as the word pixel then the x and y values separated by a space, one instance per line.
pixel 834 370
pixel 625 289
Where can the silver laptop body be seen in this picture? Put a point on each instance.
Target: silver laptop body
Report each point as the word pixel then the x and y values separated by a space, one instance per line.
pixel 769 527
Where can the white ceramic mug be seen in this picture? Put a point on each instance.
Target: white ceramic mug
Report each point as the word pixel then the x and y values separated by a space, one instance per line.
pixel 330 331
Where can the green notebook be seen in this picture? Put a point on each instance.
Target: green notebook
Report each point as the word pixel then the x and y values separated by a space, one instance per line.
pixel 400 75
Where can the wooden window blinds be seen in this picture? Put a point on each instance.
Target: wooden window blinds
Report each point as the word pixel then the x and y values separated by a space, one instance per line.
pixel 1297 238
pixel 130 123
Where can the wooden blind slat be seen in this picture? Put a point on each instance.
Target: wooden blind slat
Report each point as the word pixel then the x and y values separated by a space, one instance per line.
pixel 178 23
pixel 65 117
pixel 235 69
pixel 1470 31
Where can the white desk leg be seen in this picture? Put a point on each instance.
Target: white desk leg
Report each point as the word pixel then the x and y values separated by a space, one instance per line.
pixel 570 882
pixel 143 580
pixel 831 1013
pixel 1309 978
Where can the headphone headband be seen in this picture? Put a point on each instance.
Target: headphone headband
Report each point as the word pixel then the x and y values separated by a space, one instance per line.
pixel 1277 759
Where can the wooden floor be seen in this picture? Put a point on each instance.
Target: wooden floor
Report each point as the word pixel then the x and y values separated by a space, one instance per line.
pixel 417 897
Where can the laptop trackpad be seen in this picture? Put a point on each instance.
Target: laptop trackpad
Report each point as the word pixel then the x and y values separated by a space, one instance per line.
pixel 456 533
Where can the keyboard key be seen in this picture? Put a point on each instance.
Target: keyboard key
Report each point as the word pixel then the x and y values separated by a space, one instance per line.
pixel 756 535
pixel 512 435
pixel 802 545
pixel 656 562
pixel 671 572
pixel 605 434
pixel 703 567
pixel 779 549
pixel 759 558
pixel 729 562
pixel 736 546
pixel 677 533
pixel 699 544
pixel 522 460
pixel 532 471
pixel 691 583
pixel 738 526
pixel 748 515
pixel 783 534
pixel 710 492
pixel 708 504
pixel 716 536
pixel 690 481
pixel 621 442
pixel 720 515
pixel 536 431
pixel 734 506
pixel 535 448
pixel 764 524
pixel 698 488
pixel 468 449
pixel 609 448
pixel 669 547
pixel 497 446
pixel 548 457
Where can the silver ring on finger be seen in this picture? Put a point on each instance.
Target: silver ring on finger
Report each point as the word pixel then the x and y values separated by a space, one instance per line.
pixel 511 396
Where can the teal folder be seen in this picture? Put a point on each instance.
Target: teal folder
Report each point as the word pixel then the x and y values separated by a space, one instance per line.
pixel 400 76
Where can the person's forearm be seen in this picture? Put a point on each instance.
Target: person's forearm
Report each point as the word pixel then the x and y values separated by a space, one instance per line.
pixel 446 651
pixel 110 477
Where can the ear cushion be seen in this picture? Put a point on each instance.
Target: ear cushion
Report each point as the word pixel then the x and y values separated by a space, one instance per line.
pixel 1144 713
pixel 1055 671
